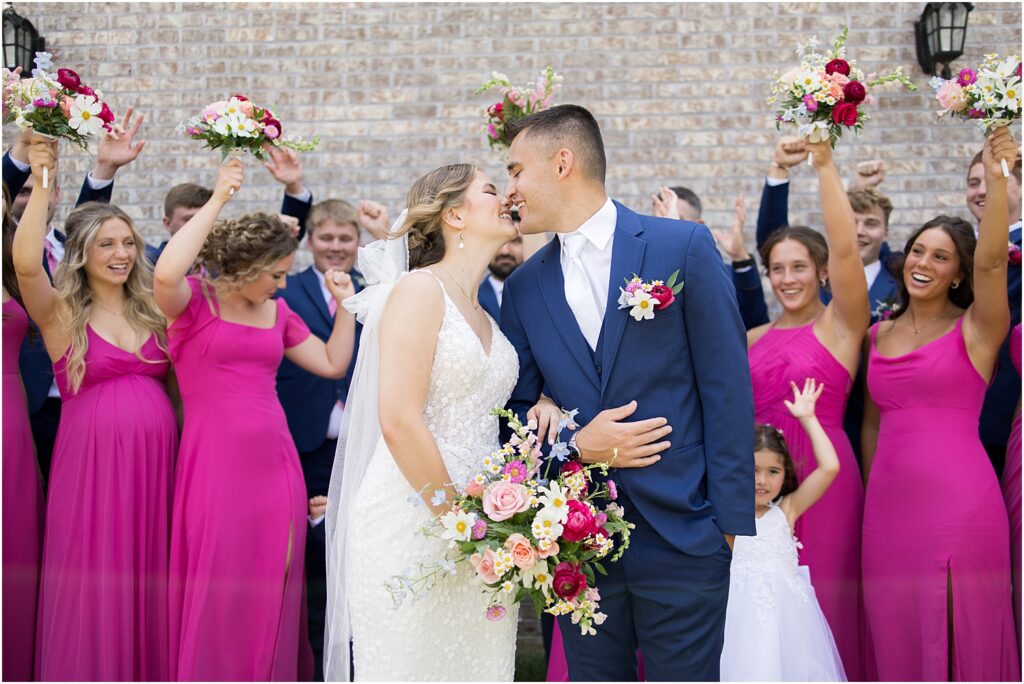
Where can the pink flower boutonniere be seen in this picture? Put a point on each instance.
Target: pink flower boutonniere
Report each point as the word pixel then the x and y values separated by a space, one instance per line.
pixel 643 299
pixel 1013 255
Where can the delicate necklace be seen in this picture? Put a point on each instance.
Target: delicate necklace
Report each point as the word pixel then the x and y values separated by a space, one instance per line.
pixel 116 313
pixel 472 302
pixel 913 322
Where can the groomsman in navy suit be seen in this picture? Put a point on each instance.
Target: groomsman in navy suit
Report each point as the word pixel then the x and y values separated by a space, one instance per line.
pixel 314 405
pixel 1004 392
pixel 44 403
pixel 507 260
pixel 667 401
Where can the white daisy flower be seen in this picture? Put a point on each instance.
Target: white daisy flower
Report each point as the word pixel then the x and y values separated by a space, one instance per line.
pixel 458 525
pixel 643 306
pixel 85 116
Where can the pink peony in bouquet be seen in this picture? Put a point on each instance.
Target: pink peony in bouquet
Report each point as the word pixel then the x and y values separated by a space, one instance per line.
pixel 517 102
pixel 989 95
pixel 239 125
pixel 827 93
pixel 526 534
pixel 57 105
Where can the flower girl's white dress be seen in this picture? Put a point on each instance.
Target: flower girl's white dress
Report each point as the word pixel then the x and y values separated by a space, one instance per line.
pixel 774 628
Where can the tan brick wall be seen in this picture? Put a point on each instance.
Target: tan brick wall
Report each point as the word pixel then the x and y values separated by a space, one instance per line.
pixel 678 89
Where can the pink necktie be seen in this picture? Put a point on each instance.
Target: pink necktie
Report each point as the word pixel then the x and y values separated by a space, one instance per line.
pixel 51 261
pixel 332 306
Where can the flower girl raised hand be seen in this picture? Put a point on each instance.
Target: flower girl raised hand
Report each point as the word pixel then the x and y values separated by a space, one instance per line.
pixel 779 468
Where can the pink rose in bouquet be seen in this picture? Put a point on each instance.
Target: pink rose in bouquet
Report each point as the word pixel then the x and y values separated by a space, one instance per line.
pixel 568 581
pixel 524 556
pixel 504 499
pixel 579 524
pixel 484 566
pixel 951 97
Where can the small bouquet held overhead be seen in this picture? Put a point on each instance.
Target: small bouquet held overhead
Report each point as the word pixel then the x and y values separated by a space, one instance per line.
pixel 990 94
pixel 517 102
pixel 528 535
pixel 827 93
pixel 58 106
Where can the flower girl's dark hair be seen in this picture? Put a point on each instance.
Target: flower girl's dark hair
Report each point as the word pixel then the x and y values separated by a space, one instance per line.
pixel 768 437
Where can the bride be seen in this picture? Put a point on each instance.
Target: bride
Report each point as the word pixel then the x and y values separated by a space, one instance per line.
pixel 431 365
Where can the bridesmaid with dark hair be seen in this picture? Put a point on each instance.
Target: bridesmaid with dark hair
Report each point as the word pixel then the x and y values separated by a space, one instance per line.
pixel 23 484
pixel 936 565
pixel 814 340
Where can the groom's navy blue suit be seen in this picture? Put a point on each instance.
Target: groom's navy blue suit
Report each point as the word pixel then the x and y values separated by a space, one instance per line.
pixel 688 364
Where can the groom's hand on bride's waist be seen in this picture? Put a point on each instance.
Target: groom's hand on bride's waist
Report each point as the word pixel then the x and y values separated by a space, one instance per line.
pixel 638 443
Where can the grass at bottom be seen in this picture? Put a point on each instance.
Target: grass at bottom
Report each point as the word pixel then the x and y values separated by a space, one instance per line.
pixel 531 665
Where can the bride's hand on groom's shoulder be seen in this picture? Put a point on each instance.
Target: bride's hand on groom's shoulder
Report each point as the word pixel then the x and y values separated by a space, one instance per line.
pixel 546 415
pixel 638 443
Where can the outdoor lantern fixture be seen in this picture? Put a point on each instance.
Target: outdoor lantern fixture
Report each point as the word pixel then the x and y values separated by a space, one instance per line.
pixel 21 41
pixel 940 35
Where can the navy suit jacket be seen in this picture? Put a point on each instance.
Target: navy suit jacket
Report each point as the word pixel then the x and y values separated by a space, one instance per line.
pixel 309 399
pixel 688 364
pixel 1004 392
pixel 33 361
pixel 485 295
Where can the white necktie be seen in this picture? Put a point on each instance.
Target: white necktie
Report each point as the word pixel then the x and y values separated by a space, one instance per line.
pixel 578 293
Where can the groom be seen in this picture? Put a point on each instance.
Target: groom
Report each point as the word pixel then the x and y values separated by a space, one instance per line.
pixel 671 393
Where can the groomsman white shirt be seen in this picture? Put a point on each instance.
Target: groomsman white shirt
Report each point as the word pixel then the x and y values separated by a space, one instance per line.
pixel 596 254
pixel 334 423
pixel 871 272
pixel 498 286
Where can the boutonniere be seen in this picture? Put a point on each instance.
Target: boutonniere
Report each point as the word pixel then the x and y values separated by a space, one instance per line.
pixel 1013 254
pixel 885 309
pixel 644 298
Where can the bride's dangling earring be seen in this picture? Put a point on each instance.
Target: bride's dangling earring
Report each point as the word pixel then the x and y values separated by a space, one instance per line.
pixel 462 244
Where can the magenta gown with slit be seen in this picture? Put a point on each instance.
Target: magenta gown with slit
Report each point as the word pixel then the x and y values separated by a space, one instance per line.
pixel 103 588
pixel 239 522
pixel 1011 482
pixel 830 530
pixel 22 509
pixel 934 514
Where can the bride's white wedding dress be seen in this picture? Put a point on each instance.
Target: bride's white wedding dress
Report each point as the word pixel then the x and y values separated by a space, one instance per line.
pixel 445 635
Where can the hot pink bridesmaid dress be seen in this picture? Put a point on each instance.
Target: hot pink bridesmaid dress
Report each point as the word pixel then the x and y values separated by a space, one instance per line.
pixel 103 589
pixel 1011 482
pixel 239 530
pixel 934 512
pixel 830 530
pixel 22 509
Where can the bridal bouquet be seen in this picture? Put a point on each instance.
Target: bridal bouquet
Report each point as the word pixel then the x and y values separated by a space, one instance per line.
pixel 990 94
pixel 517 102
pixel 529 535
pixel 827 93
pixel 238 125
pixel 55 105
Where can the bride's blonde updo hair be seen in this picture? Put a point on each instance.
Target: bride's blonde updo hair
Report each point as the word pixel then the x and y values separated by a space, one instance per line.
pixel 428 200
pixel 238 250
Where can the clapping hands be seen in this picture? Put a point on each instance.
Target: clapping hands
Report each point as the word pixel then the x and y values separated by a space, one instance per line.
pixel 285 167
pixel 733 242
pixel 117 147
pixel 664 203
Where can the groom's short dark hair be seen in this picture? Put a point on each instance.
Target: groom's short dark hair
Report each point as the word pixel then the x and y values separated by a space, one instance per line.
pixel 568 126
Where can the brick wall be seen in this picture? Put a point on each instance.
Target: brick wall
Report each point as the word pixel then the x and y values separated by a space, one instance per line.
pixel 678 89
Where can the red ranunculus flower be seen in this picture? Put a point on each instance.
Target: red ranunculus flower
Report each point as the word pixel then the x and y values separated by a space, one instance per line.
pixel 568 581
pixel 570 468
pixel 69 79
pixel 845 113
pixel 579 524
pixel 240 98
pixel 86 90
pixel 838 66
pixel 1014 255
pixel 663 295
pixel 273 122
pixel 854 92
pixel 106 116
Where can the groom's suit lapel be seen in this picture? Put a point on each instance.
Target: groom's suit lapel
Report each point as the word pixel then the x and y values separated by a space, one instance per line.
pixel 552 288
pixel 627 259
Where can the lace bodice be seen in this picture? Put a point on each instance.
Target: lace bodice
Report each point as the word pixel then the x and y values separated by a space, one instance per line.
pixel 431 635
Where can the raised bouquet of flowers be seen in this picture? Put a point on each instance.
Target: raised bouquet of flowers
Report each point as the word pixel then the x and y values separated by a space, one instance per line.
pixel 238 125
pixel 529 535
pixel 989 94
pixel 517 102
pixel 827 93
pixel 55 105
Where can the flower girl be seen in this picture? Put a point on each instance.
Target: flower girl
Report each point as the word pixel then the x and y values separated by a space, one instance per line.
pixel 774 628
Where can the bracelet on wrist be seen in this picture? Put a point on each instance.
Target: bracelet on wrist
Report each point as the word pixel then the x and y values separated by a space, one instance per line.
pixel 574 451
pixel 743 263
pixel 777 165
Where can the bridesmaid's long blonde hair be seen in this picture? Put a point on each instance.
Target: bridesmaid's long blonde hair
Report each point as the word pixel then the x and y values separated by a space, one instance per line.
pixel 72 284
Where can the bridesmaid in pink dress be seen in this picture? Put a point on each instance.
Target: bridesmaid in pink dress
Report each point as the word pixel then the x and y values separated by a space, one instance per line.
pixel 103 587
pixel 1011 481
pixel 239 521
pixel 936 565
pixel 814 340
pixel 22 490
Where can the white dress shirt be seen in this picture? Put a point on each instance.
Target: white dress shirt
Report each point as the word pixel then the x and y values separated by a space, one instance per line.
pixel 871 272
pixel 334 422
pixel 596 255
pixel 498 286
